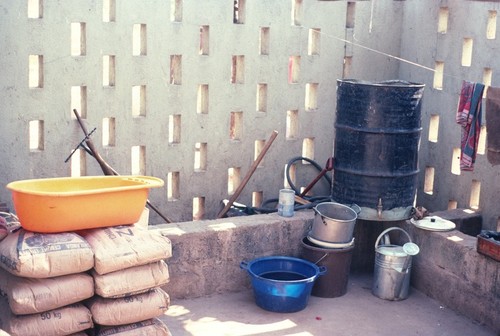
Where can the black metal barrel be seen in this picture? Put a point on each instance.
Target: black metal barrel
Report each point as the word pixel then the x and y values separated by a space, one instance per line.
pixel 377 136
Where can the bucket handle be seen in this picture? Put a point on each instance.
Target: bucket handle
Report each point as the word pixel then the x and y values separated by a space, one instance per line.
pixel 322 270
pixel 391 229
pixel 244 265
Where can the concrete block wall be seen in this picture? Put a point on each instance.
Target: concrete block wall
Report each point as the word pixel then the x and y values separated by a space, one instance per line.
pixel 450 270
pixel 179 90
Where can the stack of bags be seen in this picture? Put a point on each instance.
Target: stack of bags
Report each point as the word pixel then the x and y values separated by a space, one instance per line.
pixel 44 283
pixel 128 272
pixel 104 281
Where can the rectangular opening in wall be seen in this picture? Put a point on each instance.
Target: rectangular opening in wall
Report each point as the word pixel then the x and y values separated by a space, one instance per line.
pixel 311 97
pixel 109 10
pixel 198 208
pixel 173 186
pixel 292 171
pixel 264 41
pixel 429 180
pixel 481 144
pixel 176 10
pixel 35 71
pixel 443 20
pixel 467 52
pixel 346 71
pixel 262 97
pixel 475 192
pixel 202 99
pixel 138 160
pixel 174 129
pixel 139 100
pixel 200 156
pixel 452 204
pixel 36 135
pixel 239 11
pixel 293 69
pixel 176 69
pixel 438 75
pixel 79 101
pixel 498 224
pixel 78 39
pixel 78 163
pixel 455 161
pixel 296 12
pixel 236 125
pixel 308 149
pixel 204 40
pixel 292 124
pixel 35 9
pixel 139 44
pixel 238 69
pixel 257 197
pixel 257 149
pixel 487 75
pixel 434 128
pixel 108 70
pixel 108 132
pixel 491 27
pixel 350 14
pixel 313 43
pixel 233 179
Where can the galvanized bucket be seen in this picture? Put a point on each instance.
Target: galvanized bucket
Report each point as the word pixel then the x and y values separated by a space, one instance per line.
pixel 391 278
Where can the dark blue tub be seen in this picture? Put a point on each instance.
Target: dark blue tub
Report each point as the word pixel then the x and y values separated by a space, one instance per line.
pixel 282 284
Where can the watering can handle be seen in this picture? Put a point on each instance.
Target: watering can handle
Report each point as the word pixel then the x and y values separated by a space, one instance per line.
pixel 388 230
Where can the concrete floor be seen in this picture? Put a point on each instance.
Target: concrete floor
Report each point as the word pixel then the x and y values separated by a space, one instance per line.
pixel 358 312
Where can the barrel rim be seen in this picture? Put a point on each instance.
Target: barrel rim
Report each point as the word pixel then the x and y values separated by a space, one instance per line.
pixel 386 83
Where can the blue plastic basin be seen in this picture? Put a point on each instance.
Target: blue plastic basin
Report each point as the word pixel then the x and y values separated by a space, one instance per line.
pixel 282 284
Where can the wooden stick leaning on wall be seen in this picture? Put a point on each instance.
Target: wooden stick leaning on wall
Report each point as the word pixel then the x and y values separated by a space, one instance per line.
pixel 254 166
pixel 105 167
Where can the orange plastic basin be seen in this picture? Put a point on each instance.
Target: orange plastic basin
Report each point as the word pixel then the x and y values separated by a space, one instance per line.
pixel 75 203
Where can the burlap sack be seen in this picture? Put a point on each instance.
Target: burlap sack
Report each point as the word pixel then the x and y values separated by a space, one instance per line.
pixel 31 296
pixel 37 255
pixel 120 247
pixel 151 327
pixel 130 309
pixel 132 280
pixel 61 321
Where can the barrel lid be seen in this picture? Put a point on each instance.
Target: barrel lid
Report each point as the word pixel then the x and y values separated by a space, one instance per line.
pixel 433 223
pixel 391 250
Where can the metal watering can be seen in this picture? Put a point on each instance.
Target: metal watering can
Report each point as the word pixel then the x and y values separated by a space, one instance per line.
pixel 391 278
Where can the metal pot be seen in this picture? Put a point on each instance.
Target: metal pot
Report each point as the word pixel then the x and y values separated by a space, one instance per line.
pixel 333 222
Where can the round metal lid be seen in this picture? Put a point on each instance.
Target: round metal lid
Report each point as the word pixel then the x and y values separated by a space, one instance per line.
pixel 433 223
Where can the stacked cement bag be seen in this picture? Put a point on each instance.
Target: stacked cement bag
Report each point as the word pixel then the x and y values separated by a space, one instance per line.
pixel 129 269
pixel 43 282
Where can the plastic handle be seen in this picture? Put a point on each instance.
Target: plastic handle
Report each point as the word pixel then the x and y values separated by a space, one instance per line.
pixel 391 229
pixel 322 270
pixel 244 265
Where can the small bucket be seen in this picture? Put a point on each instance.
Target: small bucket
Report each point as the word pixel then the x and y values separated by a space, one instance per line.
pixel 333 222
pixel 338 263
pixel 391 278
pixel 282 284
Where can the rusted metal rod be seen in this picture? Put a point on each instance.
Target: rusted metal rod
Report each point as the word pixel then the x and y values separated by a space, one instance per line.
pixel 249 174
pixel 106 168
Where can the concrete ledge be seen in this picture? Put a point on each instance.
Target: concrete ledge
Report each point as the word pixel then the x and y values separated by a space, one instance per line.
pixel 450 270
pixel 206 255
pixel 467 221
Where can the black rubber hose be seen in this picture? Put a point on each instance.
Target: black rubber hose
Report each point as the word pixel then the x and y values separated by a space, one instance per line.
pixel 300 158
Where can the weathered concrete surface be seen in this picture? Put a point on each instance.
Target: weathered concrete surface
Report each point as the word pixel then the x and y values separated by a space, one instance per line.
pixel 207 255
pixel 357 313
pixel 450 270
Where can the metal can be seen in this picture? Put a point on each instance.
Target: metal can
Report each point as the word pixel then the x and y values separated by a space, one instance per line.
pixel 286 202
